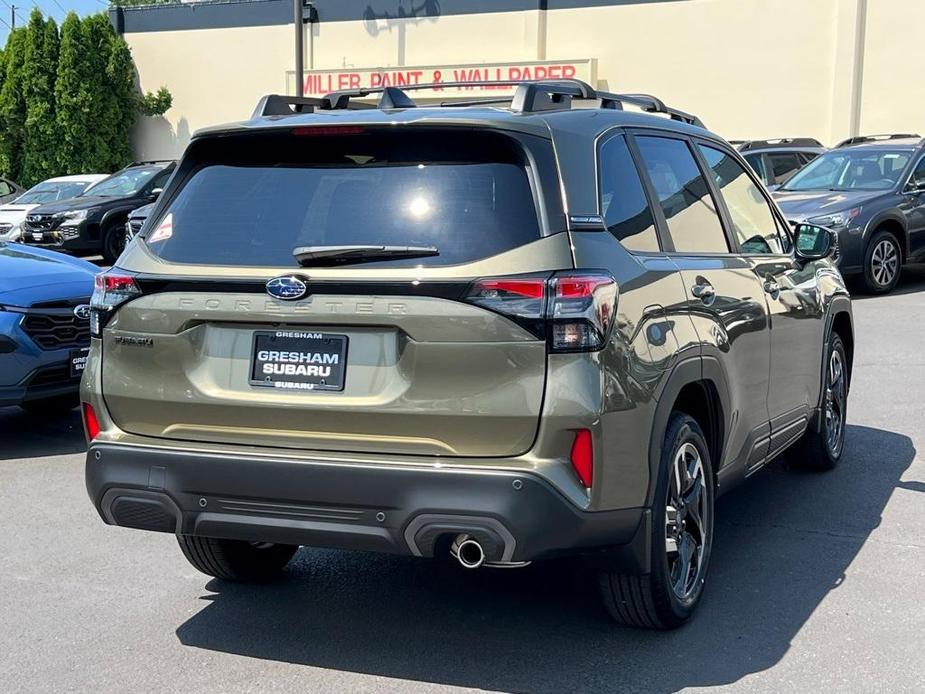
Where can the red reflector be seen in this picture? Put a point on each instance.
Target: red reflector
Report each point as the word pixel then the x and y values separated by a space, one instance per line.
pixel 531 289
pixel 322 130
pixel 583 457
pixel 91 424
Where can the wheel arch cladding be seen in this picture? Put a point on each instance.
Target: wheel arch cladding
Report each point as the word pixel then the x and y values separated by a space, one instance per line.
pixel 842 326
pixel 697 388
pixel 896 228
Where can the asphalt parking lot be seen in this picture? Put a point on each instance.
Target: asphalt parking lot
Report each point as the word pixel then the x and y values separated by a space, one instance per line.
pixel 817 583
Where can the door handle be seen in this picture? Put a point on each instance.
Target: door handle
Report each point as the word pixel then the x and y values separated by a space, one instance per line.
pixel 704 291
pixel 772 287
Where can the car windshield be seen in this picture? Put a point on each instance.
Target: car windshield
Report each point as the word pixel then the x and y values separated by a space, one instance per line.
pixel 124 183
pixel 852 169
pixel 51 192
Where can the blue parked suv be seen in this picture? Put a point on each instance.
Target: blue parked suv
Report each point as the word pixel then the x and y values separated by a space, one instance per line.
pixel 44 326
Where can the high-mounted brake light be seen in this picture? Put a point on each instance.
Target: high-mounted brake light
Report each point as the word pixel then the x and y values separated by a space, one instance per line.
pixel 91 423
pixel 326 130
pixel 574 310
pixel 582 457
pixel 110 290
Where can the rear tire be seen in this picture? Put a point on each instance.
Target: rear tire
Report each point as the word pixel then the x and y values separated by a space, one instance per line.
pixel 55 405
pixel 882 263
pixel 821 450
pixel 236 560
pixel 682 537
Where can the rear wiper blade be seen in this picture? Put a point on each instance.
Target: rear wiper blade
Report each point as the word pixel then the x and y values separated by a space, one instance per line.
pixel 309 256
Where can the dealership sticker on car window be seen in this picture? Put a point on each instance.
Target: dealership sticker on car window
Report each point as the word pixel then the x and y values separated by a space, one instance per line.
pixel 164 230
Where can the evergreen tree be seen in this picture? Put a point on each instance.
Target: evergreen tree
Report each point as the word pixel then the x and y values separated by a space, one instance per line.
pixel 12 106
pixel 74 113
pixel 38 80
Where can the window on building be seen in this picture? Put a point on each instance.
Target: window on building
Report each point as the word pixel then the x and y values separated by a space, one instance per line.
pixel 623 200
pixel 753 220
pixel 693 221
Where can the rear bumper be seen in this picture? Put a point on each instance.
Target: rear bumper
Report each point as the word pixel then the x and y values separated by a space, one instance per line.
pixel 384 508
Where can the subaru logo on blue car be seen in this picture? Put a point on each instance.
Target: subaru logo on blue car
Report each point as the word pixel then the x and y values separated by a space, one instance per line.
pixel 82 311
pixel 288 288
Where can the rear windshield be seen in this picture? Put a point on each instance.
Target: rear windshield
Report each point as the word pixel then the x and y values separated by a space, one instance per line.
pixel 467 194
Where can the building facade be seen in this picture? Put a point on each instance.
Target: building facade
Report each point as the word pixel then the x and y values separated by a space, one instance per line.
pixel 749 68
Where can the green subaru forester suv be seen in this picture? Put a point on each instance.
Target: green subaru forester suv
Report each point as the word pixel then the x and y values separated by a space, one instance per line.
pixel 500 331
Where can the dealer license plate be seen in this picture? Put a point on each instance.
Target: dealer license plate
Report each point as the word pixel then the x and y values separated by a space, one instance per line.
pixel 299 360
pixel 78 361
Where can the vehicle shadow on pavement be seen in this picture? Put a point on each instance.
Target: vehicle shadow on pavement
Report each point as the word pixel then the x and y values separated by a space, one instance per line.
pixel 28 435
pixel 783 543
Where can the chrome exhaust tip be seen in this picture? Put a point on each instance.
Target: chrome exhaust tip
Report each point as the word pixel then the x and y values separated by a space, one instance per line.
pixel 468 552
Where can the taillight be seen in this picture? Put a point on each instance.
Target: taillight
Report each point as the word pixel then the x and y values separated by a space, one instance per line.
pixel 583 457
pixel 582 306
pixel 110 289
pixel 91 423
pixel 573 310
pixel 521 296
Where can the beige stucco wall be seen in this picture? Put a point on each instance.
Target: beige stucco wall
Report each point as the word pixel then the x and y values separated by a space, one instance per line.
pixel 892 94
pixel 749 68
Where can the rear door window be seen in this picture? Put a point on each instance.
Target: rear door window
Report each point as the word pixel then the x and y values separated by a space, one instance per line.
pixel 785 165
pixel 623 200
pixel 690 210
pixel 469 195
pixel 756 161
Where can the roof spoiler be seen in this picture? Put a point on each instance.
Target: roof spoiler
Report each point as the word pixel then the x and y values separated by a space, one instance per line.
pixel 529 97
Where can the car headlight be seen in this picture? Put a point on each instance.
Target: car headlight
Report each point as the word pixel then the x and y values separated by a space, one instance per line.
pixel 73 216
pixel 837 220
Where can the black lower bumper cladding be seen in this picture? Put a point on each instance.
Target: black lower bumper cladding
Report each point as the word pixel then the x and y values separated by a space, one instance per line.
pixel 386 508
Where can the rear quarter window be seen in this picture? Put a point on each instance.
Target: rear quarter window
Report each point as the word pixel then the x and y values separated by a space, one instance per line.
pixel 467 194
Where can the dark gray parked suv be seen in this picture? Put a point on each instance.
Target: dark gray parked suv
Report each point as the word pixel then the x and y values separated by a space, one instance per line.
pixel 776 161
pixel 502 331
pixel 871 191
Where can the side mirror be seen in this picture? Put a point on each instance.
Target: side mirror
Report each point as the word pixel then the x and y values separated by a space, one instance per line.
pixel 813 242
pixel 156 193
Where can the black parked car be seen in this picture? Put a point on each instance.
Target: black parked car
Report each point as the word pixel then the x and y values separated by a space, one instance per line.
pixel 776 161
pixel 94 222
pixel 871 190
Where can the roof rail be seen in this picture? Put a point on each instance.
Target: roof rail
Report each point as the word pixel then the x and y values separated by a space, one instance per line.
pixel 529 97
pixel 151 161
pixel 746 145
pixel 861 139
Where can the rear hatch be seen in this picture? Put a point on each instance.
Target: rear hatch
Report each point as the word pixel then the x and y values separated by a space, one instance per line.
pixel 234 340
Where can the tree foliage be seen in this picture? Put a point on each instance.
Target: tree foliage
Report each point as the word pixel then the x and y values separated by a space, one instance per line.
pixel 40 64
pixel 69 99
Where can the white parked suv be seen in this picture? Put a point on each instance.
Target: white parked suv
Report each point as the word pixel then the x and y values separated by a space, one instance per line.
pixel 13 214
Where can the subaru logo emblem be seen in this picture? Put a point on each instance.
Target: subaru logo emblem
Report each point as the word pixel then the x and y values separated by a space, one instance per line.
pixel 82 311
pixel 288 288
pixel 35 218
